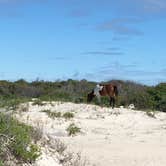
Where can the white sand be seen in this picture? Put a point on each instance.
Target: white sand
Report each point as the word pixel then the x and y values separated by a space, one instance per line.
pixel 119 137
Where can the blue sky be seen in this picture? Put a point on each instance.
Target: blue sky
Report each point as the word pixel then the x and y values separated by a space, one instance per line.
pixel 96 40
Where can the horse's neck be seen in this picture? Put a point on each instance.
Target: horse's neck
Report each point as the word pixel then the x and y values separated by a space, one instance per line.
pixel 103 92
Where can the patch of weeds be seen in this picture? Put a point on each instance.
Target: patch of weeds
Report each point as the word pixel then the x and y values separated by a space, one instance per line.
pixel 73 159
pixel 12 104
pixel 68 115
pixel 51 114
pixel 38 102
pixel 32 153
pixel 78 100
pixel 52 104
pixel 60 147
pixel 46 111
pixel 16 140
pixel 23 107
pixel 66 158
pixel 37 134
pixel 73 129
pixel 1 163
pixel 57 145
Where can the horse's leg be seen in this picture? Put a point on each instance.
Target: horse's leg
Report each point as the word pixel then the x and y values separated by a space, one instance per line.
pixel 111 101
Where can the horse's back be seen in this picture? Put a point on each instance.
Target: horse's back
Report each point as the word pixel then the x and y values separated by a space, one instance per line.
pixel 110 89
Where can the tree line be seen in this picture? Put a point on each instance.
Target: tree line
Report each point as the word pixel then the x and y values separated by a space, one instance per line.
pixel 142 96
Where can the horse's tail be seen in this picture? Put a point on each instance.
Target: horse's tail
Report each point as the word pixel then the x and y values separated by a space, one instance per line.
pixel 116 90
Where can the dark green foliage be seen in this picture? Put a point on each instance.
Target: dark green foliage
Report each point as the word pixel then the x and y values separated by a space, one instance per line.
pixel 16 140
pixel 143 97
pixel 1 163
pixel 73 129
pixel 11 103
pixel 51 114
pixel 38 102
pixel 158 96
pixel 68 115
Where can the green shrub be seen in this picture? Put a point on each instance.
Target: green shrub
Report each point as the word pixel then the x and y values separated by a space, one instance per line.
pixel 158 96
pixel 73 129
pixel 12 103
pixel 1 163
pixel 68 115
pixel 143 97
pixel 51 114
pixel 16 139
pixel 38 102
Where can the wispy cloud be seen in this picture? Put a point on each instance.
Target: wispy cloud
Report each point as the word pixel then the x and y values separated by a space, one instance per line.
pixel 21 1
pixel 113 49
pixel 120 38
pixel 79 13
pixel 102 53
pixel 128 14
pixel 132 71
pixel 139 8
pixel 58 58
pixel 122 26
pixel 154 6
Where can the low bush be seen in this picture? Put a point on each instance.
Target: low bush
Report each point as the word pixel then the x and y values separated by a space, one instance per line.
pixel 16 140
pixel 51 114
pixel 1 163
pixel 73 129
pixel 12 103
pixel 68 115
pixel 38 102
pixel 142 96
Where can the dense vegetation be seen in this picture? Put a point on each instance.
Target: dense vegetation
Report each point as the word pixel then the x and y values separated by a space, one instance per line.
pixel 16 138
pixel 143 97
pixel 16 145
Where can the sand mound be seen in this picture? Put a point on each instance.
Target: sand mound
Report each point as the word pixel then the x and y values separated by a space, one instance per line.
pixel 119 137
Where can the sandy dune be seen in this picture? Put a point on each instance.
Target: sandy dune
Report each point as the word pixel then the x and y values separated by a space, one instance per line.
pixel 119 137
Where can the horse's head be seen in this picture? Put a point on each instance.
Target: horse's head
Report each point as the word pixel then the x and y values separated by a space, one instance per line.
pixel 90 96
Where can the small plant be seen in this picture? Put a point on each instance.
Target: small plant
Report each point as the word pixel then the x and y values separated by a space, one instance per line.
pixel 23 107
pixel 46 111
pixel 38 102
pixel 51 114
pixel 68 115
pixel 12 104
pixel 73 129
pixel 60 147
pixel 37 133
pixel 1 163
pixel 55 115
pixel 51 103
pixel 73 159
pixel 57 145
pixel 33 152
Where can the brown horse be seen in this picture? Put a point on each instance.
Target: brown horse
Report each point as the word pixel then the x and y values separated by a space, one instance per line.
pixel 109 90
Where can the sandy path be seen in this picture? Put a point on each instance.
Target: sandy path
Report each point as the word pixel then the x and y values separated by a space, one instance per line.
pixel 130 138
